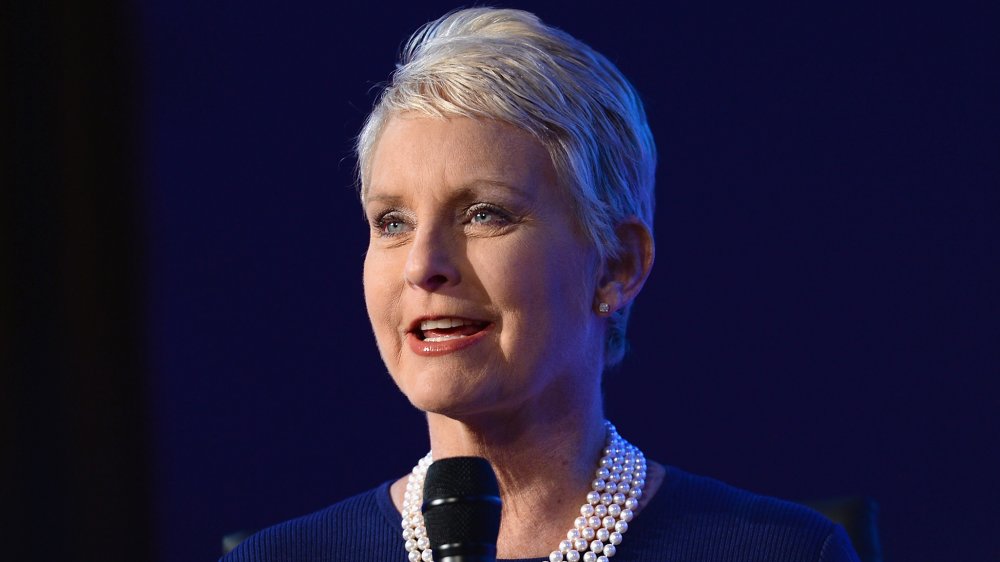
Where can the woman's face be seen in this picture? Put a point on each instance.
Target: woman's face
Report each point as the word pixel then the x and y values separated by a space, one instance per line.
pixel 479 286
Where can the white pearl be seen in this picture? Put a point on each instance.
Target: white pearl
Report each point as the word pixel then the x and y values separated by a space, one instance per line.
pixel 603 473
pixel 423 543
pixel 606 498
pixel 573 534
pixel 573 556
pixel 593 497
pixel 600 510
pixel 614 510
pixel 580 522
pixel 610 550
pixel 413 556
pixel 624 487
pixel 615 538
pixel 598 485
pixel 611 487
pixel 589 557
pixel 427 556
pixel 603 534
pixel 631 503
pixel 621 526
pixel 597 546
pixel 618 498
pixel 608 522
pixel 407 533
pixel 594 521
pixel 587 533
pixel 602 559
pixel 579 544
pixel 636 493
pixel 626 515
pixel 410 544
pixel 565 546
pixel 586 510
pixel 419 532
pixel 556 556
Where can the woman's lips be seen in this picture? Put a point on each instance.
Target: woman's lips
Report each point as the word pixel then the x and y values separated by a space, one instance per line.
pixel 441 342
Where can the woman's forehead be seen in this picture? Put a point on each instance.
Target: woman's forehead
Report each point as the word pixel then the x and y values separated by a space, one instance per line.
pixel 457 152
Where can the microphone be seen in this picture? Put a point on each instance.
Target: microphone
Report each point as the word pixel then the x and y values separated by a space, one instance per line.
pixel 461 510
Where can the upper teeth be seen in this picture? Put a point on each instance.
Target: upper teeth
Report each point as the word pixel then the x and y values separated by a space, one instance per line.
pixel 443 323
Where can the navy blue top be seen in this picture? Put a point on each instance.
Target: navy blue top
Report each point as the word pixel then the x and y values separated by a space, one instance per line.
pixel 690 519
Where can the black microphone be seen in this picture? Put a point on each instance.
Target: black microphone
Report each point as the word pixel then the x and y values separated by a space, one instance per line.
pixel 462 510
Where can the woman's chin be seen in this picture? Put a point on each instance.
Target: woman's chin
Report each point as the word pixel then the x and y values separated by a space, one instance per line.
pixel 453 402
pixel 444 405
pixel 442 391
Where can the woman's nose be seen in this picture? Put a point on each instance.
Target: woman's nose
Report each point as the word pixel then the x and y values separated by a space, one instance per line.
pixel 432 262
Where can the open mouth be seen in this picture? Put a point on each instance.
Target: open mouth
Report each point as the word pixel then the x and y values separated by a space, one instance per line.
pixel 444 329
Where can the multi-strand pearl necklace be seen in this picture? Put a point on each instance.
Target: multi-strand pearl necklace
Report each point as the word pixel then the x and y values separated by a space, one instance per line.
pixel 596 533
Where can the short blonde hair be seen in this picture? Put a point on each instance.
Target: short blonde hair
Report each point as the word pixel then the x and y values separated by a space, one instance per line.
pixel 509 66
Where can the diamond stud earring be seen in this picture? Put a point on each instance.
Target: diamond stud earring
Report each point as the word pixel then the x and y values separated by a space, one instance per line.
pixel 604 307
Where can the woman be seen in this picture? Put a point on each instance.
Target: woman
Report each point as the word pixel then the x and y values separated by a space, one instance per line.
pixel 507 175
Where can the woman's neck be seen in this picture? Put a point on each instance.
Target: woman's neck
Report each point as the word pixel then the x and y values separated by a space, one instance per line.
pixel 544 469
pixel 544 462
pixel 527 454
pixel 544 465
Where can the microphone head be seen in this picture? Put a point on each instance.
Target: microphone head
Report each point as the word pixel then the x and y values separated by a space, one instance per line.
pixel 462 508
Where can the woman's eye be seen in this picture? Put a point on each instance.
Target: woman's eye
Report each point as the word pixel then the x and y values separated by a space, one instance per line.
pixel 482 216
pixel 390 225
pixel 487 215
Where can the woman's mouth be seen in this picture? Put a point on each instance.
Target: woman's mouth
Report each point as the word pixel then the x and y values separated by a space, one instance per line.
pixel 443 329
pixel 440 336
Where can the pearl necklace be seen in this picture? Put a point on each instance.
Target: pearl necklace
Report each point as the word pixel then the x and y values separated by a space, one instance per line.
pixel 596 533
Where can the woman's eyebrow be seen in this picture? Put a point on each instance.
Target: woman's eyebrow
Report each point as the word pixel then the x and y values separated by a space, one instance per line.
pixel 481 186
pixel 471 189
pixel 381 198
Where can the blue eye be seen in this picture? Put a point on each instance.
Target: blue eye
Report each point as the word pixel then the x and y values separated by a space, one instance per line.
pixel 390 224
pixel 482 216
pixel 489 215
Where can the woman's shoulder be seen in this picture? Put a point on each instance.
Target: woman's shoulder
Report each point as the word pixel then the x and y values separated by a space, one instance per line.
pixel 360 528
pixel 704 495
pixel 701 518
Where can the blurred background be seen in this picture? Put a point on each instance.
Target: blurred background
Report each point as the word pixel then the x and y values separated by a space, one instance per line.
pixel 185 349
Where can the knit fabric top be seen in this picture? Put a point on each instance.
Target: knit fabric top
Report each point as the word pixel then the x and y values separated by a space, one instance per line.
pixel 690 519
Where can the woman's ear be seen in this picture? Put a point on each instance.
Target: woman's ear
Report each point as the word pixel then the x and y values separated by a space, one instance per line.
pixel 624 275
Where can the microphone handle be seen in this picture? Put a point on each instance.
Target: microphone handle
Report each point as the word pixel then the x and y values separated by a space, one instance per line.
pixel 465 552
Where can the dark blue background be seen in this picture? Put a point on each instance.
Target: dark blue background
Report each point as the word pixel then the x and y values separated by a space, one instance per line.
pixel 822 319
